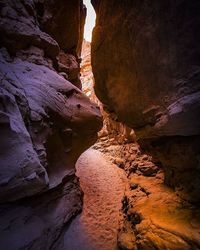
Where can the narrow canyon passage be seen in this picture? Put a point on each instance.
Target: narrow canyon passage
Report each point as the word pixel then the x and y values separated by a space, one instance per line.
pixel 99 125
pixel 103 184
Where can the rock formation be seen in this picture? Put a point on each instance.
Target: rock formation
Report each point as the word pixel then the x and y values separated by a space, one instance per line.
pixel 153 216
pixel 86 77
pixel 146 68
pixel 46 122
pixel 111 126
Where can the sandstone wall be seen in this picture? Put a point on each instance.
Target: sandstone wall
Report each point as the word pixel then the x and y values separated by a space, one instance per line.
pixel 145 59
pixel 111 126
pixel 46 122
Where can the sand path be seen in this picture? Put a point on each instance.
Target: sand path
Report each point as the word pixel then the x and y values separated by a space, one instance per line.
pixel 103 186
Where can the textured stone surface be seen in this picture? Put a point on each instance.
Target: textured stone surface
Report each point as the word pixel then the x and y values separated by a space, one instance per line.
pixel 38 222
pixel 111 125
pixel 19 28
pixel 146 68
pixel 44 117
pixel 64 21
pixel 148 54
pixel 69 65
pixel 87 78
pixel 45 121
pixel 158 218
pixel 153 215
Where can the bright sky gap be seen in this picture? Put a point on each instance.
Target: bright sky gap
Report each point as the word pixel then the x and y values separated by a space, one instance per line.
pixel 90 20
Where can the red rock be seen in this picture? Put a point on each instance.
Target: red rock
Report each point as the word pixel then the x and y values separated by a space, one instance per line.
pixel 146 70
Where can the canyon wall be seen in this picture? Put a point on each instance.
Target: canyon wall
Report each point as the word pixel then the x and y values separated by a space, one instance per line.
pixel 145 59
pixel 46 122
pixel 112 128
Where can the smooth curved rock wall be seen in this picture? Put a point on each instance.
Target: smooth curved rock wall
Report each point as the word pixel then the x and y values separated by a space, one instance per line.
pixel 46 122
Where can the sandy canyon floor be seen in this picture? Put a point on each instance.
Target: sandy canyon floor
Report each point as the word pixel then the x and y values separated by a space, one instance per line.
pixel 126 204
pixel 103 184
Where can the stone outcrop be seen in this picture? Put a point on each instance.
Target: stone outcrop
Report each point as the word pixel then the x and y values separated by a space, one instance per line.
pixel 46 122
pixel 146 69
pixel 111 126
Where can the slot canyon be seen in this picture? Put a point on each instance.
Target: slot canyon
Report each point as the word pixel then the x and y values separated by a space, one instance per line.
pixel 100 132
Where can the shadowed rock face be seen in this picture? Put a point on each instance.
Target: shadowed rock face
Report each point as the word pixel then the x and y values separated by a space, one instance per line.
pixel 46 122
pixel 44 119
pixel 64 21
pixel 145 59
pixel 111 126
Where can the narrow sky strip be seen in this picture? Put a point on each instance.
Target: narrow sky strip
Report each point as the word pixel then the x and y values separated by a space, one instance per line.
pixel 90 20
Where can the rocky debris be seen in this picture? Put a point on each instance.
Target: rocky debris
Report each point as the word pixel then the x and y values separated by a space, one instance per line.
pixel 159 100
pixel 127 156
pixel 115 129
pixel 45 121
pixel 119 162
pixel 180 159
pixel 164 218
pixel 147 169
pixel 153 215
pixel 126 241
pixel 133 186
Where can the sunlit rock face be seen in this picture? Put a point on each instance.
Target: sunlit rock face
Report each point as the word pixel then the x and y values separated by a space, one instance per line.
pixel 153 216
pixel 46 122
pixel 145 59
pixel 87 77
pixel 111 126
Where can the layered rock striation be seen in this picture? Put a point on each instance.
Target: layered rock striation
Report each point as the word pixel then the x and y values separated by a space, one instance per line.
pixel 146 68
pixel 46 122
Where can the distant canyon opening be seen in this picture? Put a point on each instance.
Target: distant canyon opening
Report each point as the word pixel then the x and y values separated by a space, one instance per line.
pixel 102 181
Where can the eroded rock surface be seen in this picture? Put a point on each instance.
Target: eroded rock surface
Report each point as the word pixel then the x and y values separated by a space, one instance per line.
pixel 46 122
pixel 111 125
pixel 45 119
pixel 38 222
pixel 153 215
pixel 146 68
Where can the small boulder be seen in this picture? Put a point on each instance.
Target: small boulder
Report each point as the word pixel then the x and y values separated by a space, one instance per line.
pixel 148 169
pixel 127 241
